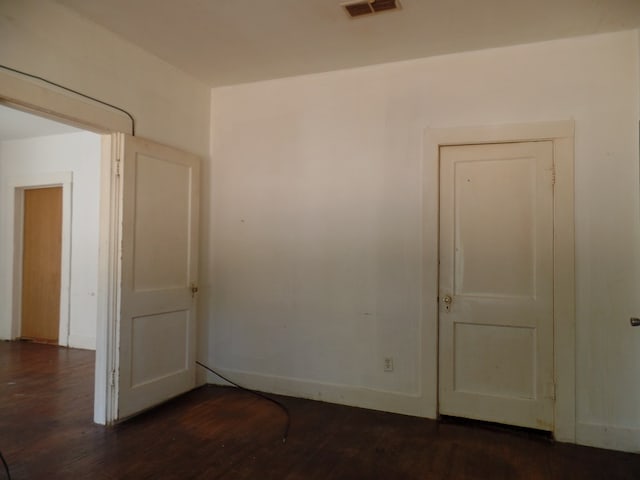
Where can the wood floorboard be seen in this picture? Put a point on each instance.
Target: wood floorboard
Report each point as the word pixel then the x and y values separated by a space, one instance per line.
pixel 46 432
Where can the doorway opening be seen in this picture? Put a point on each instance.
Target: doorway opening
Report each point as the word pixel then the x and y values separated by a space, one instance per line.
pixel 67 109
pixel 50 182
pixel 49 232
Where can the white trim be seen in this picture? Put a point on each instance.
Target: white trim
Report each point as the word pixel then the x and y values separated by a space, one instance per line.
pixel 55 103
pixel 13 194
pixel 561 134
pixel 107 346
pixel 608 436
pixel 361 397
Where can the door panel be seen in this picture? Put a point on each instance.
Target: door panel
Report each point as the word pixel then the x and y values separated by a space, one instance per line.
pixel 167 332
pixel 509 350
pixel 162 196
pixel 41 264
pixel 496 283
pixel 483 208
pixel 159 267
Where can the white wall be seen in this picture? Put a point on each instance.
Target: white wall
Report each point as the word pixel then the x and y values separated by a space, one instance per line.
pixel 46 39
pixel 316 200
pixel 78 153
pixel 316 220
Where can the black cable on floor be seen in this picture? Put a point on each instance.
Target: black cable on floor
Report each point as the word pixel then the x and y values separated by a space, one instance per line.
pixel 257 394
pixel 6 466
pixel 89 97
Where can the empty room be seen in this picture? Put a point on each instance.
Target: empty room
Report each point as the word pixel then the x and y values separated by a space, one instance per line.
pixel 322 239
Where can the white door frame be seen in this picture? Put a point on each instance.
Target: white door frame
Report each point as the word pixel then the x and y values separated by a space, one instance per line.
pixel 44 100
pixel 13 204
pixel 561 133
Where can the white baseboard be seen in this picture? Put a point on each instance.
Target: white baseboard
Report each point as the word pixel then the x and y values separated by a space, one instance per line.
pixel 81 341
pixel 595 435
pixel 607 436
pixel 394 402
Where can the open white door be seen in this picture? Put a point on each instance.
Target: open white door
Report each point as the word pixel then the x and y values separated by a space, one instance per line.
pixel 157 324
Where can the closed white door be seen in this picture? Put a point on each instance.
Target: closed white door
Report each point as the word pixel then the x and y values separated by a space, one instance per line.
pixel 496 283
pixel 157 331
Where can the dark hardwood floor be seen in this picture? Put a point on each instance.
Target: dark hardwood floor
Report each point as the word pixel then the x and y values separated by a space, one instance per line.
pixel 46 432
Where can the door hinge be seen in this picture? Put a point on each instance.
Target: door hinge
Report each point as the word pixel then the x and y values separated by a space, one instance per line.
pixel 117 167
pixel 112 380
pixel 553 176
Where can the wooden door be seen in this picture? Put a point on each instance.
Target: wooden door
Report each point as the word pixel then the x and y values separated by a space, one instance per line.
pixel 157 332
pixel 41 264
pixel 496 283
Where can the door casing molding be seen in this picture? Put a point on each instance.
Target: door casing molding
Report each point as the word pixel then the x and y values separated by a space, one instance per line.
pixel 561 133
pixel 50 102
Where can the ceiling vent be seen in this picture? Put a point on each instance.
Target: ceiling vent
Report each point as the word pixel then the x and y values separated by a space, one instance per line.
pixel 368 7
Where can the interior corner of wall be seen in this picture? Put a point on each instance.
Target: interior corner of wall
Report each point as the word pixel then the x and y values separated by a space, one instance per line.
pixel 82 341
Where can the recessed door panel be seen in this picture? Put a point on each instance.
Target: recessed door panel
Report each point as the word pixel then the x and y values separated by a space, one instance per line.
pixel 494 360
pixel 483 243
pixel 162 196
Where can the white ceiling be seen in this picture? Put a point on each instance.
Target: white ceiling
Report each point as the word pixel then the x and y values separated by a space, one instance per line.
pixel 233 41
pixel 15 124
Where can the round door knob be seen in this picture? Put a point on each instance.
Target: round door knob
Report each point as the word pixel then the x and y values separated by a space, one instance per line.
pixel 447 299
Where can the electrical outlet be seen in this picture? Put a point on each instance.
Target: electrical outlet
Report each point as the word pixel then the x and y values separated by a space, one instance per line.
pixel 388 364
